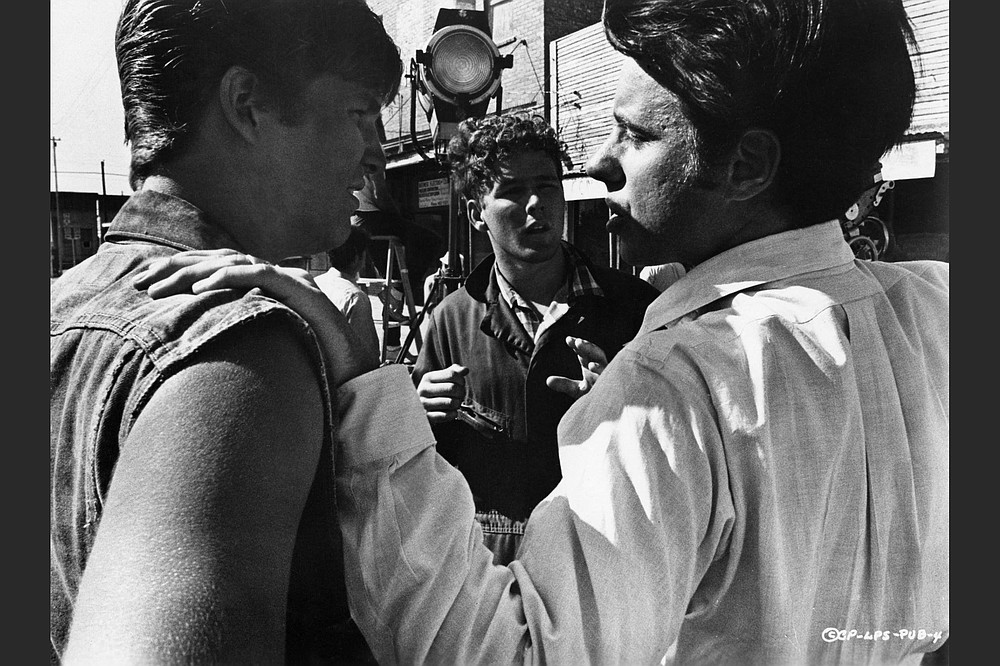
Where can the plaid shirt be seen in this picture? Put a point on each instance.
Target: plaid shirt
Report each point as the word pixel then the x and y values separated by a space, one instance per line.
pixel 579 282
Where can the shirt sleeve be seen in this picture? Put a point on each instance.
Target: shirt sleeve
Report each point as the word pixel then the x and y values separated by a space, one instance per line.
pixel 609 560
pixel 361 319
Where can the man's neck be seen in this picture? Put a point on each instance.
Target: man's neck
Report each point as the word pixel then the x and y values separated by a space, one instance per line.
pixel 537 283
pixel 222 206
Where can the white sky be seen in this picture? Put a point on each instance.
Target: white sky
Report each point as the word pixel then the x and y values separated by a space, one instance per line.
pixel 85 111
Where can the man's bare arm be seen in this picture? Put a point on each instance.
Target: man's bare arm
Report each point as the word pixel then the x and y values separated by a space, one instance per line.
pixel 192 557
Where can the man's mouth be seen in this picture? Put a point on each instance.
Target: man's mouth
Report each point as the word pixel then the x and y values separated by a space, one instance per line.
pixel 617 219
pixel 615 223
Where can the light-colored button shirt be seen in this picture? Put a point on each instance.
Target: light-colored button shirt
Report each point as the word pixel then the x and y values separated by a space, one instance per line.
pixel 662 276
pixel 760 477
pixel 353 302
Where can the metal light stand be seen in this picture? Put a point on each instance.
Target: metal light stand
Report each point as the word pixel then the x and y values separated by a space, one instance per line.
pixel 448 278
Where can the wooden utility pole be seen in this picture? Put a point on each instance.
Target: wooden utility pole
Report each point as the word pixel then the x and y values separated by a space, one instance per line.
pixel 102 208
pixel 59 226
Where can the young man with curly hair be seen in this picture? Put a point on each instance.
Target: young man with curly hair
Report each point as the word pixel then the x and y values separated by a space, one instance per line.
pixel 483 372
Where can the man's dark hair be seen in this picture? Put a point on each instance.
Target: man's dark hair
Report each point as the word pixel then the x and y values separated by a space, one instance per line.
pixel 353 248
pixel 832 79
pixel 172 55
pixel 480 145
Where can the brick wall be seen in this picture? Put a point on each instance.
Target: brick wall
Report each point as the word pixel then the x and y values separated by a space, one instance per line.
pixel 566 16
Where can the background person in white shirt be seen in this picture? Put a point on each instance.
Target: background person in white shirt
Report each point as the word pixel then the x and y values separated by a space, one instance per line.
pixel 761 476
pixel 340 284
pixel 662 276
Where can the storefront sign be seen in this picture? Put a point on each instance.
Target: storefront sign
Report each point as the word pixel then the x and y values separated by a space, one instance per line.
pixel 432 193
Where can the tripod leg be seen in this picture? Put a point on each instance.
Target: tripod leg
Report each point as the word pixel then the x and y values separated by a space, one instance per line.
pixel 432 299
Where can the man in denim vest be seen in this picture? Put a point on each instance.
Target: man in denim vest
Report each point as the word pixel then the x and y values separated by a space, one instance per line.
pixel 191 465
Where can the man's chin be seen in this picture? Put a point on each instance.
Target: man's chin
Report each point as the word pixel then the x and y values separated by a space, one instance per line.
pixel 629 254
pixel 536 255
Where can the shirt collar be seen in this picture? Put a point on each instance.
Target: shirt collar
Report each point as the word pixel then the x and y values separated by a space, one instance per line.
pixel 579 282
pixel 768 259
pixel 156 217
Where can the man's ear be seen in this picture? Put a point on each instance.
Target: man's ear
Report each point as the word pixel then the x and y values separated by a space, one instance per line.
pixel 475 213
pixel 241 101
pixel 753 164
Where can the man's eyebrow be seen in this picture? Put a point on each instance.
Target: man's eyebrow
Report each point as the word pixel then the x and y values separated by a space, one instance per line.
pixel 626 121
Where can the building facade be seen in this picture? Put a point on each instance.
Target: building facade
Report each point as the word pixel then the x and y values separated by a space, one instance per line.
pixel 77 221
pixel 523 29
pixel 564 69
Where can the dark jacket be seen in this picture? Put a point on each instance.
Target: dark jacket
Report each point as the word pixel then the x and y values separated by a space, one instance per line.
pixel 514 466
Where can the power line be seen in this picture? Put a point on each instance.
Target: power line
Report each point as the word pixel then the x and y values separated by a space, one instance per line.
pixel 92 173
pixel 541 88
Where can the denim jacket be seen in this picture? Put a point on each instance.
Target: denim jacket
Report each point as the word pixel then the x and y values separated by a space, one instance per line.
pixel 111 347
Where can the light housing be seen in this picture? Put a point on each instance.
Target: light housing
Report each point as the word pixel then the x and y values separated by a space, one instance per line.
pixel 460 69
pixel 461 65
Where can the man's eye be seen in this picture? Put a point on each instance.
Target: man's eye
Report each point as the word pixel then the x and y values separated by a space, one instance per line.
pixel 630 135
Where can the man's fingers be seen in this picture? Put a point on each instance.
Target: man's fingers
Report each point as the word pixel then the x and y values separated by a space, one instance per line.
pixel 453 374
pixel 247 276
pixel 176 279
pixel 442 417
pixel 571 387
pixel 448 387
pixel 163 268
pixel 440 403
pixel 178 273
pixel 451 390
pixel 441 392
pixel 588 352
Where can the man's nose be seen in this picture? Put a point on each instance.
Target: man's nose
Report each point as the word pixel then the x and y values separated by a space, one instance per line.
pixel 603 166
pixel 374 159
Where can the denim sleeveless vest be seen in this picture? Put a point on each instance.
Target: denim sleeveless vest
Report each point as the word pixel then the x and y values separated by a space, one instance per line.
pixel 110 347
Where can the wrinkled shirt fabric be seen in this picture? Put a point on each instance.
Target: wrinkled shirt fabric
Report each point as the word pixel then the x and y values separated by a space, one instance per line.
pixel 760 477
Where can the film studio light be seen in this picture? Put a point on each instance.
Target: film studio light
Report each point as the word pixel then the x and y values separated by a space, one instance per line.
pixel 460 69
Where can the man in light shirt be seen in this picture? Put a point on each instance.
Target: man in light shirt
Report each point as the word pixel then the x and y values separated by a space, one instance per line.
pixel 761 475
pixel 662 276
pixel 764 469
pixel 340 284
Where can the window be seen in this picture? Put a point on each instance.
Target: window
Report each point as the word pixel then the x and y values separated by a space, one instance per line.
pixel 502 19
